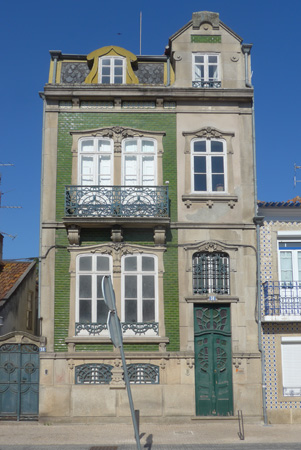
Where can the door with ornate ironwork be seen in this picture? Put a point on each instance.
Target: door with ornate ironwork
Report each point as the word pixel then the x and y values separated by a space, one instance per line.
pixel 213 369
pixel 19 381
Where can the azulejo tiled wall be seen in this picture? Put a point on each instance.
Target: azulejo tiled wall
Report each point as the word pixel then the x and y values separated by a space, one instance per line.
pixel 272 332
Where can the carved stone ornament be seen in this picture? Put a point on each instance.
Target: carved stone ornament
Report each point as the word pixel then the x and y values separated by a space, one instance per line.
pixel 116 234
pixel 234 58
pixel 210 246
pixel 117 381
pixel 190 363
pixel 159 235
pixel 237 362
pixel 208 133
pixel 163 364
pixel 71 364
pixel 74 235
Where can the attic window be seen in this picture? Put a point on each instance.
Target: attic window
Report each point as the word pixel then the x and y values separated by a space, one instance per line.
pixel 111 70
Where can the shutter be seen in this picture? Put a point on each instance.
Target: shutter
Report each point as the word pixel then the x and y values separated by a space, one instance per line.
pixel 291 365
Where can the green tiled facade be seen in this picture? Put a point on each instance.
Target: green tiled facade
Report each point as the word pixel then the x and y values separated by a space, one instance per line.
pixel 164 122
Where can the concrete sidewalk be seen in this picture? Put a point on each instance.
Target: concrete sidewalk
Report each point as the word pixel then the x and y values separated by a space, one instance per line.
pixel 196 432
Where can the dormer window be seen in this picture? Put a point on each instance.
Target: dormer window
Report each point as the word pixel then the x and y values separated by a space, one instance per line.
pixel 205 71
pixel 111 70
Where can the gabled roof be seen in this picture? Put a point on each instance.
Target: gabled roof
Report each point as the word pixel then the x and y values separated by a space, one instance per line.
pixel 189 24
pixel 11 275
pixel 293 203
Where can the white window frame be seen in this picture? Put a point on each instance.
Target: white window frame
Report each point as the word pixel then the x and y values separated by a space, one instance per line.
pixel 139 273
pixel 208 157
pixel 294 252
pixel 139 154
pixel 111 66
pixel 206 65
pixel 93 273
pixel 95 155
pixel 291 366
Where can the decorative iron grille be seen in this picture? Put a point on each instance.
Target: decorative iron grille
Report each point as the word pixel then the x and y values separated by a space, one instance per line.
pixel 143 373
pixel 138 328
pixel 93 374
pixel 93 329
pixel 282 298
pixel 116 201
pixel 210 273
pixel 206 84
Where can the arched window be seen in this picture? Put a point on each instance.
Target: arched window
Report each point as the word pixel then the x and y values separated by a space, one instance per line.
pixel 210 273
pixel 209 165
pixel 90 306
pixel 95 162
pixel 139 162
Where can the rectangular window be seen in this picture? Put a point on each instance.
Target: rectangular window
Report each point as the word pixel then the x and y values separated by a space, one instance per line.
pixel 291 366
pixel 210 273
pixel 290 277
pixel 95 162
pixel 91 311
pixel 111 70
pixel 139 162
pixel 140 298
pixel 208 166
pixel 205 70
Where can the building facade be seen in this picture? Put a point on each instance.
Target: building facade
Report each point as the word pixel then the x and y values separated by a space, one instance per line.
pixel 280 259
pixel 148 176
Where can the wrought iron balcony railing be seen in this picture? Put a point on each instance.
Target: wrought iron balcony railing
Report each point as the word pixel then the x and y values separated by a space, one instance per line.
pixel 128 328
pixel 206 84
pixel 117 201
pixel 282 298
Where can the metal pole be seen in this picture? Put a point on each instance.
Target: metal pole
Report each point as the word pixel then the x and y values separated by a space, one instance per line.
pixel 128 387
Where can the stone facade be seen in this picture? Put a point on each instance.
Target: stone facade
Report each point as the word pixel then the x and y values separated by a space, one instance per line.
pixel 81 373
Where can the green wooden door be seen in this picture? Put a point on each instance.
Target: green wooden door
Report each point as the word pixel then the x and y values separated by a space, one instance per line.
pixel 213 369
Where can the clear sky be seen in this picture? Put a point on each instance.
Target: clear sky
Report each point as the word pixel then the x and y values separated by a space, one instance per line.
pixel 29 29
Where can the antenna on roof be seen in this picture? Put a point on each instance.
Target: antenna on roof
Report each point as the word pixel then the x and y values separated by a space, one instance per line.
pixel 295 177
pixel 140 29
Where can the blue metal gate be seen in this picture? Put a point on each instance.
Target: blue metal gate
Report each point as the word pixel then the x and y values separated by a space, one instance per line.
pixel 19 381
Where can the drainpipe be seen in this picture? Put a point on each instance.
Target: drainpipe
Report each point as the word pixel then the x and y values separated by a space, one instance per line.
pixel 246 49
pixel 41 198
pixel 167 53
pixel 258 220
pixel 55 55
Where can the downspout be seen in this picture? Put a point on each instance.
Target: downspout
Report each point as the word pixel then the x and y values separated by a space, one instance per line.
pixel 258 220
pixel 41 202
pixel 55 55
pixel 167 53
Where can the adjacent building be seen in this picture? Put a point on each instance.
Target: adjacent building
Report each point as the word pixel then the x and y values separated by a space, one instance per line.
pixel 280 259
pixel 149 177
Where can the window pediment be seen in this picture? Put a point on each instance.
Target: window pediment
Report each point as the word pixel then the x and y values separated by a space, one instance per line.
pixel 208 133
pixel 117 134
pixel 210 246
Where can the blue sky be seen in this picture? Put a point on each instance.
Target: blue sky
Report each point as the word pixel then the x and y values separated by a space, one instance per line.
pixel 28 30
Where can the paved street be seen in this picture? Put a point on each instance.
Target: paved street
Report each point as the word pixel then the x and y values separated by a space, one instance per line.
pixel 119 436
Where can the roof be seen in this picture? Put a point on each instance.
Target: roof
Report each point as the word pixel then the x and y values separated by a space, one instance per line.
pixel 293 203
pixel 11 274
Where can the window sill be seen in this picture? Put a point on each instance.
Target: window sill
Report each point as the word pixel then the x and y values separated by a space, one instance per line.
pixel 209 198
pixel 206 299
pixel 107 340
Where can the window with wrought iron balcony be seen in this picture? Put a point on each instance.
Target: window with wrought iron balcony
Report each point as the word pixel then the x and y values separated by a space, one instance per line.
pixel 97 195
pixel 282 298
pixel 205 70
